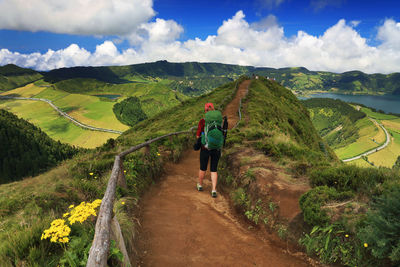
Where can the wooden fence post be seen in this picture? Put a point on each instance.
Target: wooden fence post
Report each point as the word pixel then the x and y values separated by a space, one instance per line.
pixel 121 175
pixel 147 150
pixel 101 242
pixel 172 148
pixel 119 239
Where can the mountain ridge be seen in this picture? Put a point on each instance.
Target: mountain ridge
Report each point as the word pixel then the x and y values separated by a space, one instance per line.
pixel 295 78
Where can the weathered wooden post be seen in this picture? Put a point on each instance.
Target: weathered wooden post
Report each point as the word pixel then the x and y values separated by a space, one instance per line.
pixel 147 150
pixel 98 253
pixel 121 176
pixel 116 235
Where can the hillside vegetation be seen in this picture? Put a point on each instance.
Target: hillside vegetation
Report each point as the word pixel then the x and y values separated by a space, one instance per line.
pixel 129 111
pixel 25 150
pixel 12 76
pixel 334 120
pixel 352 82
pixel 193 78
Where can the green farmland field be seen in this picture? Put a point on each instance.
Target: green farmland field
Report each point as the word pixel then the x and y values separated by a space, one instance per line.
pixel 57 127
pixel 368 131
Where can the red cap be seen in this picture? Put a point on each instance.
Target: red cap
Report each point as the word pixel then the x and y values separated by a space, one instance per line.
pixel 207 106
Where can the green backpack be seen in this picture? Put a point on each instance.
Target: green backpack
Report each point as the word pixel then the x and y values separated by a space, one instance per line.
pixel 213 137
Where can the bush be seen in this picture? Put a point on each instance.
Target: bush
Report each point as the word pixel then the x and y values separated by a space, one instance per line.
pixel 312 201
pixel 129 111
pixel 350 177
pixel 332 244
pixel 382 229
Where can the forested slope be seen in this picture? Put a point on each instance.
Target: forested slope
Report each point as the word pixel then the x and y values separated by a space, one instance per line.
pixel 12 76
pixel 25 150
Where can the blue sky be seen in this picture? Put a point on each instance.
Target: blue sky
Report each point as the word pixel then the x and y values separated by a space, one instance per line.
pixel 332 35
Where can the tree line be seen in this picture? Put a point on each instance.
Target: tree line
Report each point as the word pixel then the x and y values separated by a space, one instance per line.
pixel 129 111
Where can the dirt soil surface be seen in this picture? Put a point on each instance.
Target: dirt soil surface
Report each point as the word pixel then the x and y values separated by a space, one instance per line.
pixel 183 227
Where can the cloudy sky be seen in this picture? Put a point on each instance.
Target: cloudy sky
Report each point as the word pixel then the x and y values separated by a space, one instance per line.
pixel 330 35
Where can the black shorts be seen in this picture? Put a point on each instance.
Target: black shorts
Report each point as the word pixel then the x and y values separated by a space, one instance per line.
pixel 205 154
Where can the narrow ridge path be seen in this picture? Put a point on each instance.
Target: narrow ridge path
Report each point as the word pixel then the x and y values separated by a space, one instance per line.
pixel 184 227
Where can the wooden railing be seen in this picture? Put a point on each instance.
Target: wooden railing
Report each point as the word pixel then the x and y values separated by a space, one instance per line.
pixel 107 226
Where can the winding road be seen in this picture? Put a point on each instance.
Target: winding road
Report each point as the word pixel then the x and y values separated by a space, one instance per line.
pixel 369 152
pixel 65 115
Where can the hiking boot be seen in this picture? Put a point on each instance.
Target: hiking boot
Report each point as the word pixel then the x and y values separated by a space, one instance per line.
pixel 199 187
pixel 214 194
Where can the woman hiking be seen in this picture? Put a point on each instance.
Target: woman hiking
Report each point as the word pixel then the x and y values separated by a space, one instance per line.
pixel 210 134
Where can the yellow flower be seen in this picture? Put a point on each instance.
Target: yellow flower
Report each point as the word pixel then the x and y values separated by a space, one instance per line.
pixel 65 214
pixel 124 171
pixel 57 232
pixel 81 212
pixel 158 154
pixel 71 206
pixel 123 202
pixel 365 245
pixel 91 173
pixel 346 235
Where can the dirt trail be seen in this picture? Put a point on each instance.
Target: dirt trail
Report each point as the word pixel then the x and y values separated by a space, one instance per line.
pixel 184 227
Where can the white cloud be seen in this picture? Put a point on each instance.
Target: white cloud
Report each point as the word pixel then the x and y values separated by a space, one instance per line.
pixel 88 17
pixel 159 31
pixel 340 48
pixel 389 34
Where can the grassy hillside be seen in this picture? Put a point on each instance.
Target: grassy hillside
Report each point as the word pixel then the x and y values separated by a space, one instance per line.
pixel 12 76
pixel 25 150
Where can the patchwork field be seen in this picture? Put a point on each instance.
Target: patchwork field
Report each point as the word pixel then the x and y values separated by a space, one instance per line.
pixel 57 127
pixel 368 132
pixel 388 156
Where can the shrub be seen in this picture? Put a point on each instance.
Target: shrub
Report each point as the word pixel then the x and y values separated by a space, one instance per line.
pixel 332 244
pixel 312 201
pixel 350 177
pixel 382 229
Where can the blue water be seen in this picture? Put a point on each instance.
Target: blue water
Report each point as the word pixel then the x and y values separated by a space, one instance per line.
pixel 109 96
pixel 387 103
